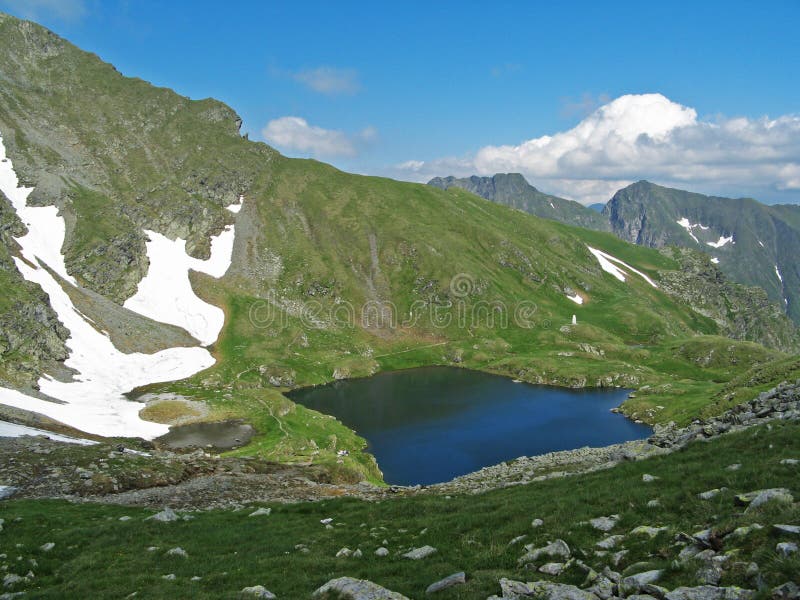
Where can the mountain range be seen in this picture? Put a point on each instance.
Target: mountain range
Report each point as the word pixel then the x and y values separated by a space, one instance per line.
pixel 753 243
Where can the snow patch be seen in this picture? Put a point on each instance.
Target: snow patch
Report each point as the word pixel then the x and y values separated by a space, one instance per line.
pixel 688 226
pixel 778 273
pixel 93 401
pixel 760 243
pixel 165 294
pixel 721 242
pixel 551 205
pixel 577 298
pixel 14 430
pixel 607 264
pixel 235 208
pixel 715 260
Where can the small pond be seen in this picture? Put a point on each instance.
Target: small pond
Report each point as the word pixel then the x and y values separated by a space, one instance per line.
pixel 221 435
pixel 431 424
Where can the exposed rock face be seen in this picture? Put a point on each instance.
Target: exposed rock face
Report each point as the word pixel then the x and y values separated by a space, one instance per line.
pixel 29 328
pixel 741 312
pixel 764 239
pixel 144 163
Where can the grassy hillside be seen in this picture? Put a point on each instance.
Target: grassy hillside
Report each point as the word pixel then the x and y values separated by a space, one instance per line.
pixel 291 553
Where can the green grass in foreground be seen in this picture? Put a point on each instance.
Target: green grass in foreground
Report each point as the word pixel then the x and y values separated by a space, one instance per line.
pixel 98 556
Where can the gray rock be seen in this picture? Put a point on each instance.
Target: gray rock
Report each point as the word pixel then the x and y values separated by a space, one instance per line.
pixel 257 591
pixel 382 551
pixel 787 529
pixel 711 493
pixel 344 553
pixel 546 590
pixel 125 518
pixel 178 552
pixel 603 588
pixel 647 478
pixel 786 549
pixel 709 575
pixel 733 467
pixel 348 588
pixel 610 542
pixel 655 503
pixel 635 583
pixel 6 491
pixel 261 512
pixel 537 523
pixel 787 591
pixel 763 496
pixel 744 531
pixel 47 547
pixel 648 530
pixel 447 582
pixel 420 553
pixel 11 579
pixel 604 523
pixel 709 592
pixel 552 568
pixel 170 577
pixel 557 549
pixel 516 540
pixel 790 461
pixel 165 516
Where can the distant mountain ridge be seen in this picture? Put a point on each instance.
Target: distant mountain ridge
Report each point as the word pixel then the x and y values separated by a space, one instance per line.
pixel 511 189
pixel 752 243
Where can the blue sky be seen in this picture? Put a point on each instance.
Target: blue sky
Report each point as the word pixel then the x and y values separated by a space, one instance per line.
pixel 412 90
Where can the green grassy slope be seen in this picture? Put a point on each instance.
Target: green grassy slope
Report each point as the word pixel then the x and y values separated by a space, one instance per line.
pixel 96 555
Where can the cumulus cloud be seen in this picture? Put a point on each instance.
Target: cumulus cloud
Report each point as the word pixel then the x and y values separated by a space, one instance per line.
pixel 329 80
pixel 65 10
pixel 296 134
pixel 645 136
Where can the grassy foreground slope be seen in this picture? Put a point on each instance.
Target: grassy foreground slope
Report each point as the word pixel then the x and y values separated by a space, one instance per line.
pixel 291 553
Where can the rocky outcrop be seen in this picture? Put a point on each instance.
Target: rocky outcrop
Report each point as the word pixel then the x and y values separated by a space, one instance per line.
pixel 741 312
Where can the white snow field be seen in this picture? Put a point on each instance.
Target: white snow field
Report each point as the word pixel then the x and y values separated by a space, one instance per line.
pixel 14 430
pixel 165 294
pixel 93 401
pixel 607 264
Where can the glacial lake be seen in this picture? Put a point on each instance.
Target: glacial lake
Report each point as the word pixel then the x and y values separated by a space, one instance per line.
pixel 431 424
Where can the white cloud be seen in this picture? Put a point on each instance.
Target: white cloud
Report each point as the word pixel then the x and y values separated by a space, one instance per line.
pixel 66 10
pixel 329 80
pixel 295 134
pixel 644 137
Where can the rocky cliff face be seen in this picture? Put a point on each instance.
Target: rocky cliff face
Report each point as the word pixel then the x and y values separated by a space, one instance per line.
pixel 511 189
pixel 741 312
pixel 752 243
pixel 141 164
pixel 30 334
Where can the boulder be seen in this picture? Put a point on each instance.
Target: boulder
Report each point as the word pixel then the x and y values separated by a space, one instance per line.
pixel 447 582
pixel 633 584
pixel 786 549
pixel 604 523
pixel 165 516
pixel 709 592
pixel 420 553
pixel 557 549
pixel 348 588
pixel 257 591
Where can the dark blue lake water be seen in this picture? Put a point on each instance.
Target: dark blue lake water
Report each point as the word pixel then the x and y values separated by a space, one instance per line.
pixel 431 424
